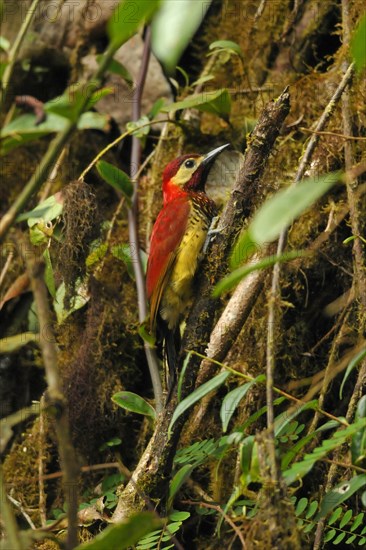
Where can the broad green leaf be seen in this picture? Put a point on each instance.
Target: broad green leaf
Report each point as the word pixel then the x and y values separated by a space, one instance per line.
pixel 118 179
pixel 232 400
pixel 339 494
pixel 23 129
pixel 278 212
pixel 125 534
pixel 226 45
pixel 234 278
pixel 127 18
pixel 195 396
pixel 173 28
pixel 178 480
pixel 358 44
pixel 217 102
pixel 358 443
pixel 134 403
pixel 351 365
pixel 116 67
pixel 78 301
pixel 13 343
pixel 93 121
pixel 46 211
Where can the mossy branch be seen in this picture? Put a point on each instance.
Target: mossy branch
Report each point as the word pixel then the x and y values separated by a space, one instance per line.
pixel 54 398
pixel 151 477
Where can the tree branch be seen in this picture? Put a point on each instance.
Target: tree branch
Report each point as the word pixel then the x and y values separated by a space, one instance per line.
pixel 154 469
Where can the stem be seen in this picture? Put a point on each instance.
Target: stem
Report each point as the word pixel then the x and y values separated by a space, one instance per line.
pixel 10 524
pixel 133 229
pixel 55 398
pixel 15 49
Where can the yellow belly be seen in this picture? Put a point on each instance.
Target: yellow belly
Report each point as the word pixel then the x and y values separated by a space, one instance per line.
pixel 177 295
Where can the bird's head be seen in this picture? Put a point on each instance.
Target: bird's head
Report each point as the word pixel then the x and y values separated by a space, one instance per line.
pixel 188 173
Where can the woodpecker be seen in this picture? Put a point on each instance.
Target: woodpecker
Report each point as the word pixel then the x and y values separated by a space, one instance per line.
pixel 177 240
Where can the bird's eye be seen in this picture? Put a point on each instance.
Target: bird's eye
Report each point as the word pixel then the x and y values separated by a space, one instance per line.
pixel 189 163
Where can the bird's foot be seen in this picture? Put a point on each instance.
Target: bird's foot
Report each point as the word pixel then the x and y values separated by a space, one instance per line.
pixel 213 230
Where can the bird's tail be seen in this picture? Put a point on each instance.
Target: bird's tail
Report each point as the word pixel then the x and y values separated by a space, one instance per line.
pixel 172 346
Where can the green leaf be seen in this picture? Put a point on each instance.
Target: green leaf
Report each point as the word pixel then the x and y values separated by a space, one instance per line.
pixel 49 276
pixel 339 494
pixel 13 343
pixel 346 517
pixel 301 506
pixel 234 278
pixel 278 212
pixel 173 28
pixel 178 480
pixel 116 67
pixel 23 129
pixel 123 252
pixel 358 520
pixel 232 400
pixel 335 515
pixel 299 469
pixel 282 421
pixel 217 102
pixel 134 403
pixel 351 365
pixel 118 179
pixel 329 535
pixel 127 18
pixel 358 443
pixel 124 534
pixel 139 128
pixel 312 509
pixel 195 396
pixel 358 44
pixel 177 515
pixel 226 45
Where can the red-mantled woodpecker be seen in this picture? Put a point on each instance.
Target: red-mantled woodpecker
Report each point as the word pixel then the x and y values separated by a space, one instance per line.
pixel 177 239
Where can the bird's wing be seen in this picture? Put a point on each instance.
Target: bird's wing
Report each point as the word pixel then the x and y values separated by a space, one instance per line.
pixel 166 237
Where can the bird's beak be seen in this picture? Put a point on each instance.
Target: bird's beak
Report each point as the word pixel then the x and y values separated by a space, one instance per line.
pixel 210 157
pixel 208 161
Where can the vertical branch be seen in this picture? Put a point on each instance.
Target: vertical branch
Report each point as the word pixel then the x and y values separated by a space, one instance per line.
pixel 275 291
pixel 54 398
pixel 133 229
pixel 359 280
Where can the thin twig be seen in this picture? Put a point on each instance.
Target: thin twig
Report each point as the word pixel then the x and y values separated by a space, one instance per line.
pixel 220 511
pixel 151 356
pixel 13 53
pixel 41 486
pixel 55 398
pixel 20 507
pixel 333 134
pixel 10 524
